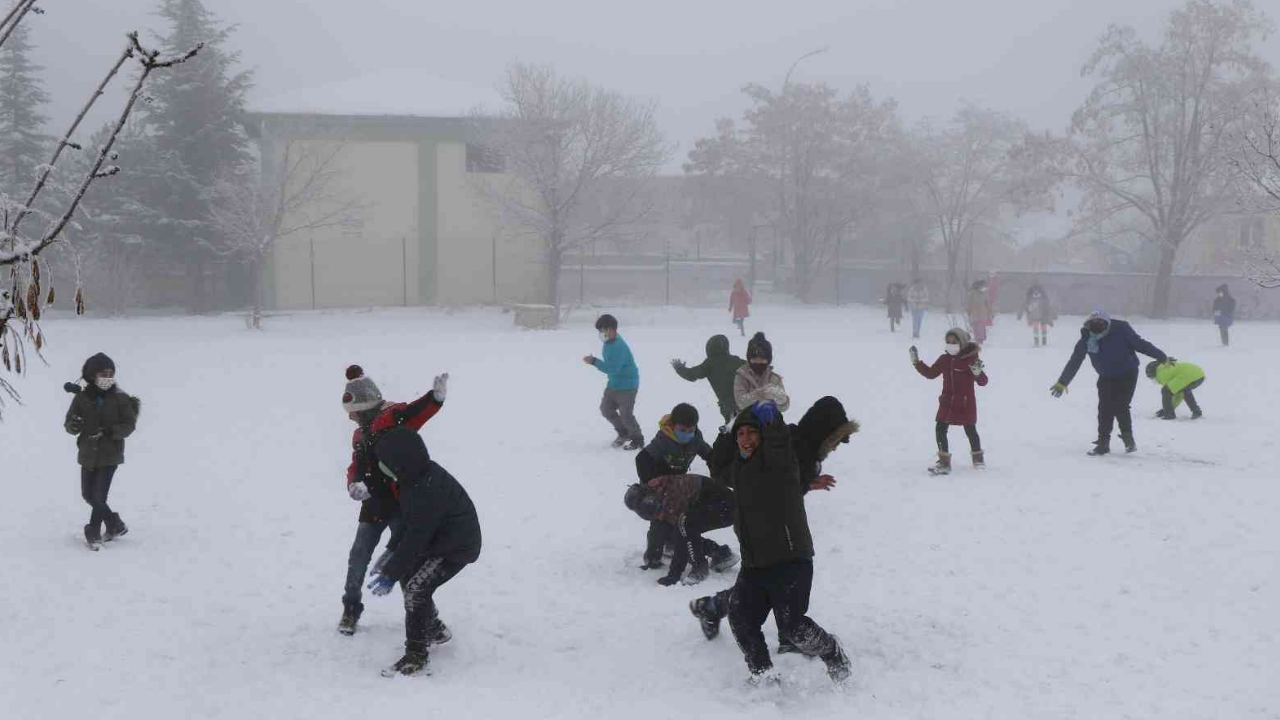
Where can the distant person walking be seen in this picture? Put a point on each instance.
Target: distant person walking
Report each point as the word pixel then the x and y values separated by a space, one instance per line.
pixel 918 303
pixel 1224 313
pixel 618 405
pixel 740 306
pixel 1040 314
pixel 981 311
pixel 894 299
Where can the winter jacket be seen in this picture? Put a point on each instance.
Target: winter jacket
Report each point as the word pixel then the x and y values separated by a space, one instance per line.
pixel 769 516
pixel 820 430
pixel 101 421
pixel 894 300
pixel 664 455
pixel 719 369
pixel 1224 310
pixel 750 388
pixel 979 307
pixel 617 362
pixel 918 296
pixel 678 493
pixel 382 506
pixel 1177 376
pixel 958 403
pixel 1116 355
pixel 439 518
pixel 740 302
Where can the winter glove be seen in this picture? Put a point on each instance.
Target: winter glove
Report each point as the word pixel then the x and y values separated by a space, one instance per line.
pixel 440 387
pixel 977 368
pixel 1057 390
pixel 915 355
pixel 378 564
pixel 359 491
pixel 668 581
pixel 75 425
pixel 765 412
pixel 678 364
pixel 381 585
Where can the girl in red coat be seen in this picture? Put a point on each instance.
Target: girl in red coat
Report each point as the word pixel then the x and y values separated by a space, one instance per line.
pixel 739 305
pixel 960 369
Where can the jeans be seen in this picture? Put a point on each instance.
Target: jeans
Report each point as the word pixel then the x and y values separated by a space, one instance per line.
pixel 368 535
pixel 619 408
pixel 917 319
pixel 782 589
pixel 1115 394
pixel 421 618
pixel 95 484
pixel 940 431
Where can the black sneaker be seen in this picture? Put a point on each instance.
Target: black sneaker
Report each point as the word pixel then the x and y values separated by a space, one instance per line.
pixel 708 618
pixel 93 536
pixel 1099 449
pixel 350 618
pixel 115 527
pixel 411 664
pixel 838 665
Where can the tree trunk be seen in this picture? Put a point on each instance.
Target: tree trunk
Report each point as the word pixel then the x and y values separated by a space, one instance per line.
pixel 953 261
pixel 1164 281
pixel 554 258
pixel 255 289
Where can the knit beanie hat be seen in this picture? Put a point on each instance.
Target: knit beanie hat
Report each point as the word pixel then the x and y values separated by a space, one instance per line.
pixel 684 414
pixel 361 393
pixel 95 365
pixel 759 347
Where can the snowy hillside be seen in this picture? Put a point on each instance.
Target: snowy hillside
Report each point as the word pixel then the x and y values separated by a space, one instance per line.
pixel 1051 585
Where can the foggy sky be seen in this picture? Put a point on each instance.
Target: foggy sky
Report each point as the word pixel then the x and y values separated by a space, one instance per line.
pixel 1021 56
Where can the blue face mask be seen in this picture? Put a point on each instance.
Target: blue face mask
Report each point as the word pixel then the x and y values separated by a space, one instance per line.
pixel 684 437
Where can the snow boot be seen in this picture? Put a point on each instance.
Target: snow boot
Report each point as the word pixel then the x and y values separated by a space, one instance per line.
pixel 697 574
pixel 708 616
pixel 1129 444
pixel 786 647
pixel 115 527
pixel 978 461
pixel 723 558
pixel 1196 415
pixel 438 633
pixel 93 536
pixel 350 617
pixel 413 663
pixel 618 442
pixel 633 444
pixel 943 466
pixel 838 665
pixel 1100 448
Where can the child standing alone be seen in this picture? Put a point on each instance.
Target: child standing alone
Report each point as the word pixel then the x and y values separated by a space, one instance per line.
pixel 961 369
pixel 101 416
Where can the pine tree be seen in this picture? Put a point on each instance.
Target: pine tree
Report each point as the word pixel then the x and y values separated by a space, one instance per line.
pixel 23 144
pixel 195 121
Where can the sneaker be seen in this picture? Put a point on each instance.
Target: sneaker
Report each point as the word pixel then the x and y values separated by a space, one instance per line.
pixel 1197 415
pixel 411 664
pixel 618 442
pixel 633 445
pixel 708 618
pixel 1100 448
pixel 115 527
pixel 838 665
pixel 93 536
pixel 350 617
pixel 439 634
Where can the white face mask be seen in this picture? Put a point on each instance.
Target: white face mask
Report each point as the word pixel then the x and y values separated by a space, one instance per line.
pixel 604 336
pixel 953 348
pixel 105 383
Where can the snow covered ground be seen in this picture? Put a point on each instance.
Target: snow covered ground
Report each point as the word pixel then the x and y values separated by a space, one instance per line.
pixel 1049 586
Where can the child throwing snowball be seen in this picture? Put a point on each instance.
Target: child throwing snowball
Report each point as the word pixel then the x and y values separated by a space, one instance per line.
pixel 961 369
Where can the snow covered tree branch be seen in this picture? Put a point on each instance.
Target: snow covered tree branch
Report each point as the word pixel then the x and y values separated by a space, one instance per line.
pixel 1254 153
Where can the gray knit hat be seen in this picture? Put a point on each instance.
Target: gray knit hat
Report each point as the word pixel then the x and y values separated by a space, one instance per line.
pixel 361 393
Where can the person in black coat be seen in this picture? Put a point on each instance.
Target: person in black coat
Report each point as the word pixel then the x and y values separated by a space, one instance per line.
pixel 1224 313
pixel 441 536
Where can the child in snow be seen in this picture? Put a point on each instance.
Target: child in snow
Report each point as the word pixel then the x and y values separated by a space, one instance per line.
pixel 918 303
pixel 366 484
pixel 981 311
pixel 1177 379
pixel 441 537
pixel 1040 314
pixel 719 369
pixel 101 416
pixel 756 381
pixel 960 368
pixel 740 306
pixel 894 300
pixel 685 507
pixel 618 405
pixel 1224 313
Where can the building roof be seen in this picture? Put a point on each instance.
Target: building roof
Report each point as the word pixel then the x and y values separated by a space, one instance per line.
pixel 400 92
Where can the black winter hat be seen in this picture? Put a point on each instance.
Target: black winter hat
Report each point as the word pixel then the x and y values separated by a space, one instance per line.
pixel 606 322
pixel 642 502
pixel 1224 289
pixel 684 414
pixel 759 347
pixel 717 345
pixel 95 365
pixel 1152 367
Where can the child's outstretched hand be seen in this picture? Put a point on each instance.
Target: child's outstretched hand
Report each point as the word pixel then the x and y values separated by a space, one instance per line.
pixel 977 368
pixel 823 482
pixel 915 355
pixel 589 359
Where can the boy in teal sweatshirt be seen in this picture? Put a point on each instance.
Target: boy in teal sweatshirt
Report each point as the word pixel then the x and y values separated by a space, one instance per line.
pixel 619 402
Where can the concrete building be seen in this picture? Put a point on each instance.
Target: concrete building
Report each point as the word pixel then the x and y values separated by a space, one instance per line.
pixel 424 234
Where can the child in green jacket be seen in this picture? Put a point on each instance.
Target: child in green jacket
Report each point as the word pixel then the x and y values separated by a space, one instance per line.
pixel 719 369
pixel 1177 380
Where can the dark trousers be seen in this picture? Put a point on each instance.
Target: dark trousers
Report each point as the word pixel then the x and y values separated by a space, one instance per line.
pixel 1225 332
pixel 713 511
pixel 95 484
pixel 421 618
pixel 1166 398
pixel 368 535
pixel 940 431
pixel 782 589
pixel 1115 394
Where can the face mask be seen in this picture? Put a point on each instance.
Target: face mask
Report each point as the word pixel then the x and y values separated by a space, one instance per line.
pixel 604 336
pixel 953 348
pixel 105 383
pixel 685 436
pixel 1035 295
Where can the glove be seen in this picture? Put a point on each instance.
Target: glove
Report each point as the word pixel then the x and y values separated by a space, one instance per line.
pixel 380 563
pixel 380 585
pixel 977 368
pixel 765 412
pixel 75 425
pixel 1057 390
pixel 440 387
pixel 359 491
pixel 678 364
pixel 915 355
pixel 668 581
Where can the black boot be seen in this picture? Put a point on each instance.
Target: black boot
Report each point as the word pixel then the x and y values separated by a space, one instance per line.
pixel 838 666
pixel 708 616
pixel 93 536
pixel 413 663
pixel 1101 447
pixel 438 633
pixel 350 617
pixel 115 527
pixel 1129 444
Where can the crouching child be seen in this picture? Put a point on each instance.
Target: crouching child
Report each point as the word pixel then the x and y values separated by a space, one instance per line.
pixel 1177 380
pixel 685 507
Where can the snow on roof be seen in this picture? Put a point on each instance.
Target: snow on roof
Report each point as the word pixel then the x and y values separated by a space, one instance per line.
pixel 405 92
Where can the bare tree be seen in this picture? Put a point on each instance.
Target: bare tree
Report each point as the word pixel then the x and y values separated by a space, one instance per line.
pixel 297 192
pixel 22 303
pixel 1151 137
pixel 983 164
pixel 1255 154
pixel 578 160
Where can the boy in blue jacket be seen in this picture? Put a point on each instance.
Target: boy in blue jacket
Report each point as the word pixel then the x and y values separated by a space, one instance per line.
pixel 619 402
pixel 1112 347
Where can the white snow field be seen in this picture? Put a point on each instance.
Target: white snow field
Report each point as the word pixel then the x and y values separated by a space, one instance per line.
pixel 1050 585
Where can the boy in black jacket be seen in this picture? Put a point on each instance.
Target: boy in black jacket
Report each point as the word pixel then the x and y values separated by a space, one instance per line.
pixel 441 537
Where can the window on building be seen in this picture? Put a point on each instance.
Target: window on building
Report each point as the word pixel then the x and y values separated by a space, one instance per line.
pixel 1253 231
pixel 481 159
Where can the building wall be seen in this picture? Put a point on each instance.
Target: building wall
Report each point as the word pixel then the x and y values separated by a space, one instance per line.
pixel 375 262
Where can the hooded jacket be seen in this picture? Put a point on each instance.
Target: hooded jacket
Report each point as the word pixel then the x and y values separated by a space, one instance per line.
pixel 1116 354
pixel 769 515
pixel 1176 377
pixel 820 430
pixel 1224 307
pixel 439 518
pixel 100 420
pixel 979 306
pixel 719 369
pixel 740 301
pixel 665 455
pixel 750 388
pixel 958 403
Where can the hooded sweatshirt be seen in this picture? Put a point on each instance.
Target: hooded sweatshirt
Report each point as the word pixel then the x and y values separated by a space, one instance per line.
pixel 719 369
